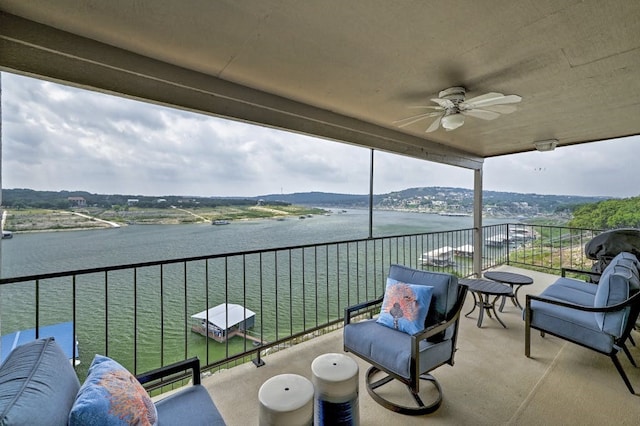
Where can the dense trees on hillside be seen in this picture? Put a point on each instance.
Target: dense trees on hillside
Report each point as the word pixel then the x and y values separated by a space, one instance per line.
pixel 28 198
pixel 608 214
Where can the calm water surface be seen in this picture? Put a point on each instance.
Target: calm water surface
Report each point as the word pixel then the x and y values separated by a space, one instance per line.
pixel 46 252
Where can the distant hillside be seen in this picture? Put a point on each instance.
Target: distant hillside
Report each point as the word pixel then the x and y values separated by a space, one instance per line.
pixel 459 199
pixel 426 199
pixel 320 199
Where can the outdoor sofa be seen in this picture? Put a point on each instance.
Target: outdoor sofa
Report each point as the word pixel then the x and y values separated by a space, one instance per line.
pixel 38 386
pixel 598 316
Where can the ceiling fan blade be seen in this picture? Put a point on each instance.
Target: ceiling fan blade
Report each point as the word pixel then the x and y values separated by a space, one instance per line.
pixel 482 114
pixel 415 118
pixel 490 99
pixel 444 103
pixel 434 126
pixel 502 109
pixel 486 97
pixel 439 108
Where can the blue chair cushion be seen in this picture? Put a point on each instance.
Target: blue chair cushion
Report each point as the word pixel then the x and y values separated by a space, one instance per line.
pixel 180 408
pixel 405 306
pixel 392 349
pixel 613 288
pixel 583 286
pixel 445 289
pixel 37 385
pixel 111 395
pixel 577 326
pixel 628 260
pixel 571 292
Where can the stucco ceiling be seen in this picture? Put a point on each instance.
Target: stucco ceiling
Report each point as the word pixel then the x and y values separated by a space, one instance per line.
pixel 347 70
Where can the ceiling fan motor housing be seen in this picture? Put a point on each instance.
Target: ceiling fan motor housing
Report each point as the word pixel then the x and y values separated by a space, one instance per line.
pixel 454 94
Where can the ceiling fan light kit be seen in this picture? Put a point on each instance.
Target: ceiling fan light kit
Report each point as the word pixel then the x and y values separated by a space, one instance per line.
pixel 452 107
pixel 452 122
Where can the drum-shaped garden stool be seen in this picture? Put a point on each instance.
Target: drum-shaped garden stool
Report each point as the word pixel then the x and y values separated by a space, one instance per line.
pixel 335 378
pixel 286 400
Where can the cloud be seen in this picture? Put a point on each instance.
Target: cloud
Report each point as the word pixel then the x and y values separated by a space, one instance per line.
pixel 57 137
pixel 604 168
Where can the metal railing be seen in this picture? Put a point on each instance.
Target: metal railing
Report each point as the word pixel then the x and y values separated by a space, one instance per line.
pixel 140 314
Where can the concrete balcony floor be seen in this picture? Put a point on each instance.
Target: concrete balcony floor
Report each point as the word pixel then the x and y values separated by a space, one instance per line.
pixel 492 382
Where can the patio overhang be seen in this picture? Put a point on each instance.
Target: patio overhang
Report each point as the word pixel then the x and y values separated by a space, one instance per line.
pixel 348 71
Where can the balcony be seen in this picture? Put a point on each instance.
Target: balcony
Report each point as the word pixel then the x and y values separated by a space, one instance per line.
pixel 139 314
pixel 491 383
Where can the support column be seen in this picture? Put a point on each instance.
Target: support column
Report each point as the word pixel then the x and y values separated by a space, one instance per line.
pixel 371 197
pixel 477 223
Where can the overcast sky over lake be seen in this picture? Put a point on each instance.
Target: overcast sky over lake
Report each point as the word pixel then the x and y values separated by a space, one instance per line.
pixel 56 137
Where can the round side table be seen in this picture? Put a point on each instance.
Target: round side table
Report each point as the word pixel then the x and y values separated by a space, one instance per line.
pixel 484 289
pixel 511 279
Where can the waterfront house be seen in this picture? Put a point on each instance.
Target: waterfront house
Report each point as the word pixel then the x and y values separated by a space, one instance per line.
pixel 348 71
pixel 77 201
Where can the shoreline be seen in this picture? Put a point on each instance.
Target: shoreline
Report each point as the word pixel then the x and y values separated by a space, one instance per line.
pixel 23 221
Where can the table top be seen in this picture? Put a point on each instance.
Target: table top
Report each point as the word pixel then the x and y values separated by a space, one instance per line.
pixel 508 277
pixel 486 286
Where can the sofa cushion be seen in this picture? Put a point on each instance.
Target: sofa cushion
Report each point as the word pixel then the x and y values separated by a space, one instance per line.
pixel 628 260
pixel 191 405
pixel 405 306
pixel 567 292
pixel 571 324
pixel 613 288
pixel 583 286
pixel 37 385
pixel 111 395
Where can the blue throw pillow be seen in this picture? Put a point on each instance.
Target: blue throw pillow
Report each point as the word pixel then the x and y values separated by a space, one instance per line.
pixel 405 306
pixel 111 395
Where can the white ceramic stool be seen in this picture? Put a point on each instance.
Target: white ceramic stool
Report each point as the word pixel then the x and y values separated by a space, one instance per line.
pixel 286 400
pixel 335 378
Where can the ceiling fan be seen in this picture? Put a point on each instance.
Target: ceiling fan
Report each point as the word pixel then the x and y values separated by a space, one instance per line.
pixel 453 107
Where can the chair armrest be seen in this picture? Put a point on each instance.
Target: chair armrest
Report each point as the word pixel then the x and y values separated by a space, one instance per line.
pixel 633 300
pixel 192 364
pixel 563 272
pixel 443 325
pixel 354 308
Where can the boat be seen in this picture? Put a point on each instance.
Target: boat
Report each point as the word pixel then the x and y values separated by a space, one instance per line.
pixel 220 222
pixel 521 235
pixel 224 321
pixel 496 240
pixel 62 332
pixel 442 256
pixel 7 235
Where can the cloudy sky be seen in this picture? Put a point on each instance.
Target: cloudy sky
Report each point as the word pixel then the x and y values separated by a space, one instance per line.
pixel 60 138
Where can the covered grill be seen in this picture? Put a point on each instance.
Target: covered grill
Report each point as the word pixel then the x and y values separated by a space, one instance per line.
pixel 604 247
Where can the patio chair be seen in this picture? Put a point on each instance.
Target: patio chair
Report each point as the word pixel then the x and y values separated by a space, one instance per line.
pixel 410 355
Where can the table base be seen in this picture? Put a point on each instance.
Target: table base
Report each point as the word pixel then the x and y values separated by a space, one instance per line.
pixel 483 302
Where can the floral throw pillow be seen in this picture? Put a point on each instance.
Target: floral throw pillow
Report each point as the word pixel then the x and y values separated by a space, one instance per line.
pixel 405 306
pixel 111 395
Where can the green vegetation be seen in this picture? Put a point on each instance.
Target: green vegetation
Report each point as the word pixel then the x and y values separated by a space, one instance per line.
pixel 609 214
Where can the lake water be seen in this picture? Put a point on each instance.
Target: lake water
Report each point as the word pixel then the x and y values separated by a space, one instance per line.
pixel 48 252
pixel 45 252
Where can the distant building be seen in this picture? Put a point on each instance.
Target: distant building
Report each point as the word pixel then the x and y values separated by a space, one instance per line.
pixel 77 201
pixel 132 201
